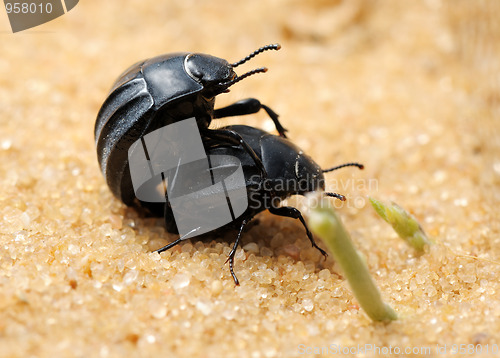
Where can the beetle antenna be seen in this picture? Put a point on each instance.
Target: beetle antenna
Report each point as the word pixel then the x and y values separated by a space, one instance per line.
pixel 335 195
pixel 360 166
pixel 255 53
pixel 243 76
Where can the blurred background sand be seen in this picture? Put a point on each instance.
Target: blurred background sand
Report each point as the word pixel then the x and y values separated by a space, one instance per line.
pixel 410 89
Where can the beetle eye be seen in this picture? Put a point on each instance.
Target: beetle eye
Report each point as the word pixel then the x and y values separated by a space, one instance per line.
pixel 190 65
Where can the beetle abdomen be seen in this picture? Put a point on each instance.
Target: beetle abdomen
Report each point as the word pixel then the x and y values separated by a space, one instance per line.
pixel 124 118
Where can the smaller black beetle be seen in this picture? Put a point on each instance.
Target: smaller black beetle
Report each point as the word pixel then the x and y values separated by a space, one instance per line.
pixel 290 172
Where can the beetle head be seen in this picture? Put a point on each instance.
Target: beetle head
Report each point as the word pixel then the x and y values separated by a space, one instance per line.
pixel 290 171
pixel 308 174
pixel 216 74
pixel 208 70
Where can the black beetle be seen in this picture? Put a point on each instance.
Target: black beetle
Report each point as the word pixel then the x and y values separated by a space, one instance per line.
pixel 289 172
pixel 164 90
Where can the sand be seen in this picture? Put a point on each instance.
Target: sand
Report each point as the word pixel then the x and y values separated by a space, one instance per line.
pixel 410 89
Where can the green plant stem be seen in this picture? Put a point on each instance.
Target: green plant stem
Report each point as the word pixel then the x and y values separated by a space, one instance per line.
pixel 405 225
pixel 324 222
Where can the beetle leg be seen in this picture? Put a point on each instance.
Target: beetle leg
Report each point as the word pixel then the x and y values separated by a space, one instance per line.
pixel 249 106
pixel 171 227
pixel 173 243
pixel 231 137
pixel 291 212
pixel 230 257
pixel 169 246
